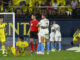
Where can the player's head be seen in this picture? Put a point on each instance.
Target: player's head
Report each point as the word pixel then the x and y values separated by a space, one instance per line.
pixel 1 19
pixel 43 16
pixel 20 38
pixel 54 22
pixel 33 16
pixel 78 29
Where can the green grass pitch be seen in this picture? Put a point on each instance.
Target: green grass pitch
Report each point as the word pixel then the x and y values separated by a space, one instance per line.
pixel 57 55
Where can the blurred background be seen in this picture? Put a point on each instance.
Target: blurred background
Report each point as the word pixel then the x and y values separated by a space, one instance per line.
pixel 53 8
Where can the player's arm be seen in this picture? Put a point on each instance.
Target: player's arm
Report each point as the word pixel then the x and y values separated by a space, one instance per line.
pixel 29 32
pixel 29 51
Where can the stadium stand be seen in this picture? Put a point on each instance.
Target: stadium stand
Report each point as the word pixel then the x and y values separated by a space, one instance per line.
pixel 27 7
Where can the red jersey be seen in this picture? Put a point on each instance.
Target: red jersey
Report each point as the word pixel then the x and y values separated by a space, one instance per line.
pixel 33 25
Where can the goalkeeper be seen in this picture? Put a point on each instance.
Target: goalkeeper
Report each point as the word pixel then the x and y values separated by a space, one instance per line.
pixel 76 37
pixel 2 34
pixel 21 47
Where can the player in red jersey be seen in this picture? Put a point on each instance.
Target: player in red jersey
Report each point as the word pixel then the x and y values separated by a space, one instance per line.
pixel 33 31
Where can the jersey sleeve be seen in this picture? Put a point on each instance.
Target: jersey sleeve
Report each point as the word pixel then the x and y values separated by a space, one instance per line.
pixel 26 43
pixel 17 43
pixel 4 25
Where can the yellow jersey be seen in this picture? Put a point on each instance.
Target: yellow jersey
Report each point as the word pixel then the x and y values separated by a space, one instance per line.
pixel 2 29
pixel 22 46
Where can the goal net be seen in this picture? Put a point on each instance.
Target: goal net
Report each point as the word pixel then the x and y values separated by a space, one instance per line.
pixel 9 20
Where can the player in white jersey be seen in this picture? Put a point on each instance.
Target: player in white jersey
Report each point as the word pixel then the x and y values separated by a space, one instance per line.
pixel 57 35
pixel 52 37
pixel 39 40
pixel 44 33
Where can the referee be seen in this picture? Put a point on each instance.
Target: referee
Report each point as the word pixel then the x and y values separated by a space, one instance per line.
pixel 33 31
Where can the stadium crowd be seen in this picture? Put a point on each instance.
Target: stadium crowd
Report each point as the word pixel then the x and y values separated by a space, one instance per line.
pixel 50 7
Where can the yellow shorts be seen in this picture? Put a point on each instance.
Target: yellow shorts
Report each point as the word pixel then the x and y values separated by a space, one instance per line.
pixel 2 39
pixel 13 50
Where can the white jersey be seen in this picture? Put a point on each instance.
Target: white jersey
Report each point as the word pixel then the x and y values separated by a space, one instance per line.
pixel 55 36
pixel 52 34
pixel 44 23
pixel 56 26
pixel 58 36
pixel 52 28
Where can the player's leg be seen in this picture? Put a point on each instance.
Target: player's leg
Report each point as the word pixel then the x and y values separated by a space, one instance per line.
pixel 36 40
pixel 48 42
pixel 59 45
pixel 48 46
pixel 31 43
pixel 42 44
pixel 39 44
pixel 56 39
pixel 12 49
pixel 36 45
pixel 79 44
pixel 52 42
pixel 59 39
pixel 74 41
pixel 3 44
pixel 31 40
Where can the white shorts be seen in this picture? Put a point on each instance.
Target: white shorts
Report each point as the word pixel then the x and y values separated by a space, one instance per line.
pixel 39 37
pixel 52 36
pixel 58 36
pixel 45 33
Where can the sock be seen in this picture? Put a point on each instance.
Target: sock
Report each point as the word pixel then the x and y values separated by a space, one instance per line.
pixel 36 47
pixel 52 46
pixel 42 47
pixel 31 44
pixel 48 46
pixel 13 50
pixel 59 45
pixel 55 45
pixel 3 49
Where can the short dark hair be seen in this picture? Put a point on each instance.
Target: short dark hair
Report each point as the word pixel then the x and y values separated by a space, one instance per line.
pixel 79 28
pixel 34 15
pixel 21 37
pixel 44 15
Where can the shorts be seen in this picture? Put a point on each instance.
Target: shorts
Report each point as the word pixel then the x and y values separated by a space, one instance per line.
pixel 39 38
pixel 34 34
pixel 58 39
pixel 58 36
pixel 13 50
pixel 52 36
pixel 2 39
pixel 45 33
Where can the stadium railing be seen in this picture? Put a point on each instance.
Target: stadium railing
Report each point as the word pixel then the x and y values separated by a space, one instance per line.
pixel 50 11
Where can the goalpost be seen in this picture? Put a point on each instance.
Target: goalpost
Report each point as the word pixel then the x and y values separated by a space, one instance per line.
pixel 9 18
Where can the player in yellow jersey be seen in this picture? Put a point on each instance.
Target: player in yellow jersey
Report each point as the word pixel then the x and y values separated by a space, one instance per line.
pixel 2 34
pixel 76 37
pixel 21 47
